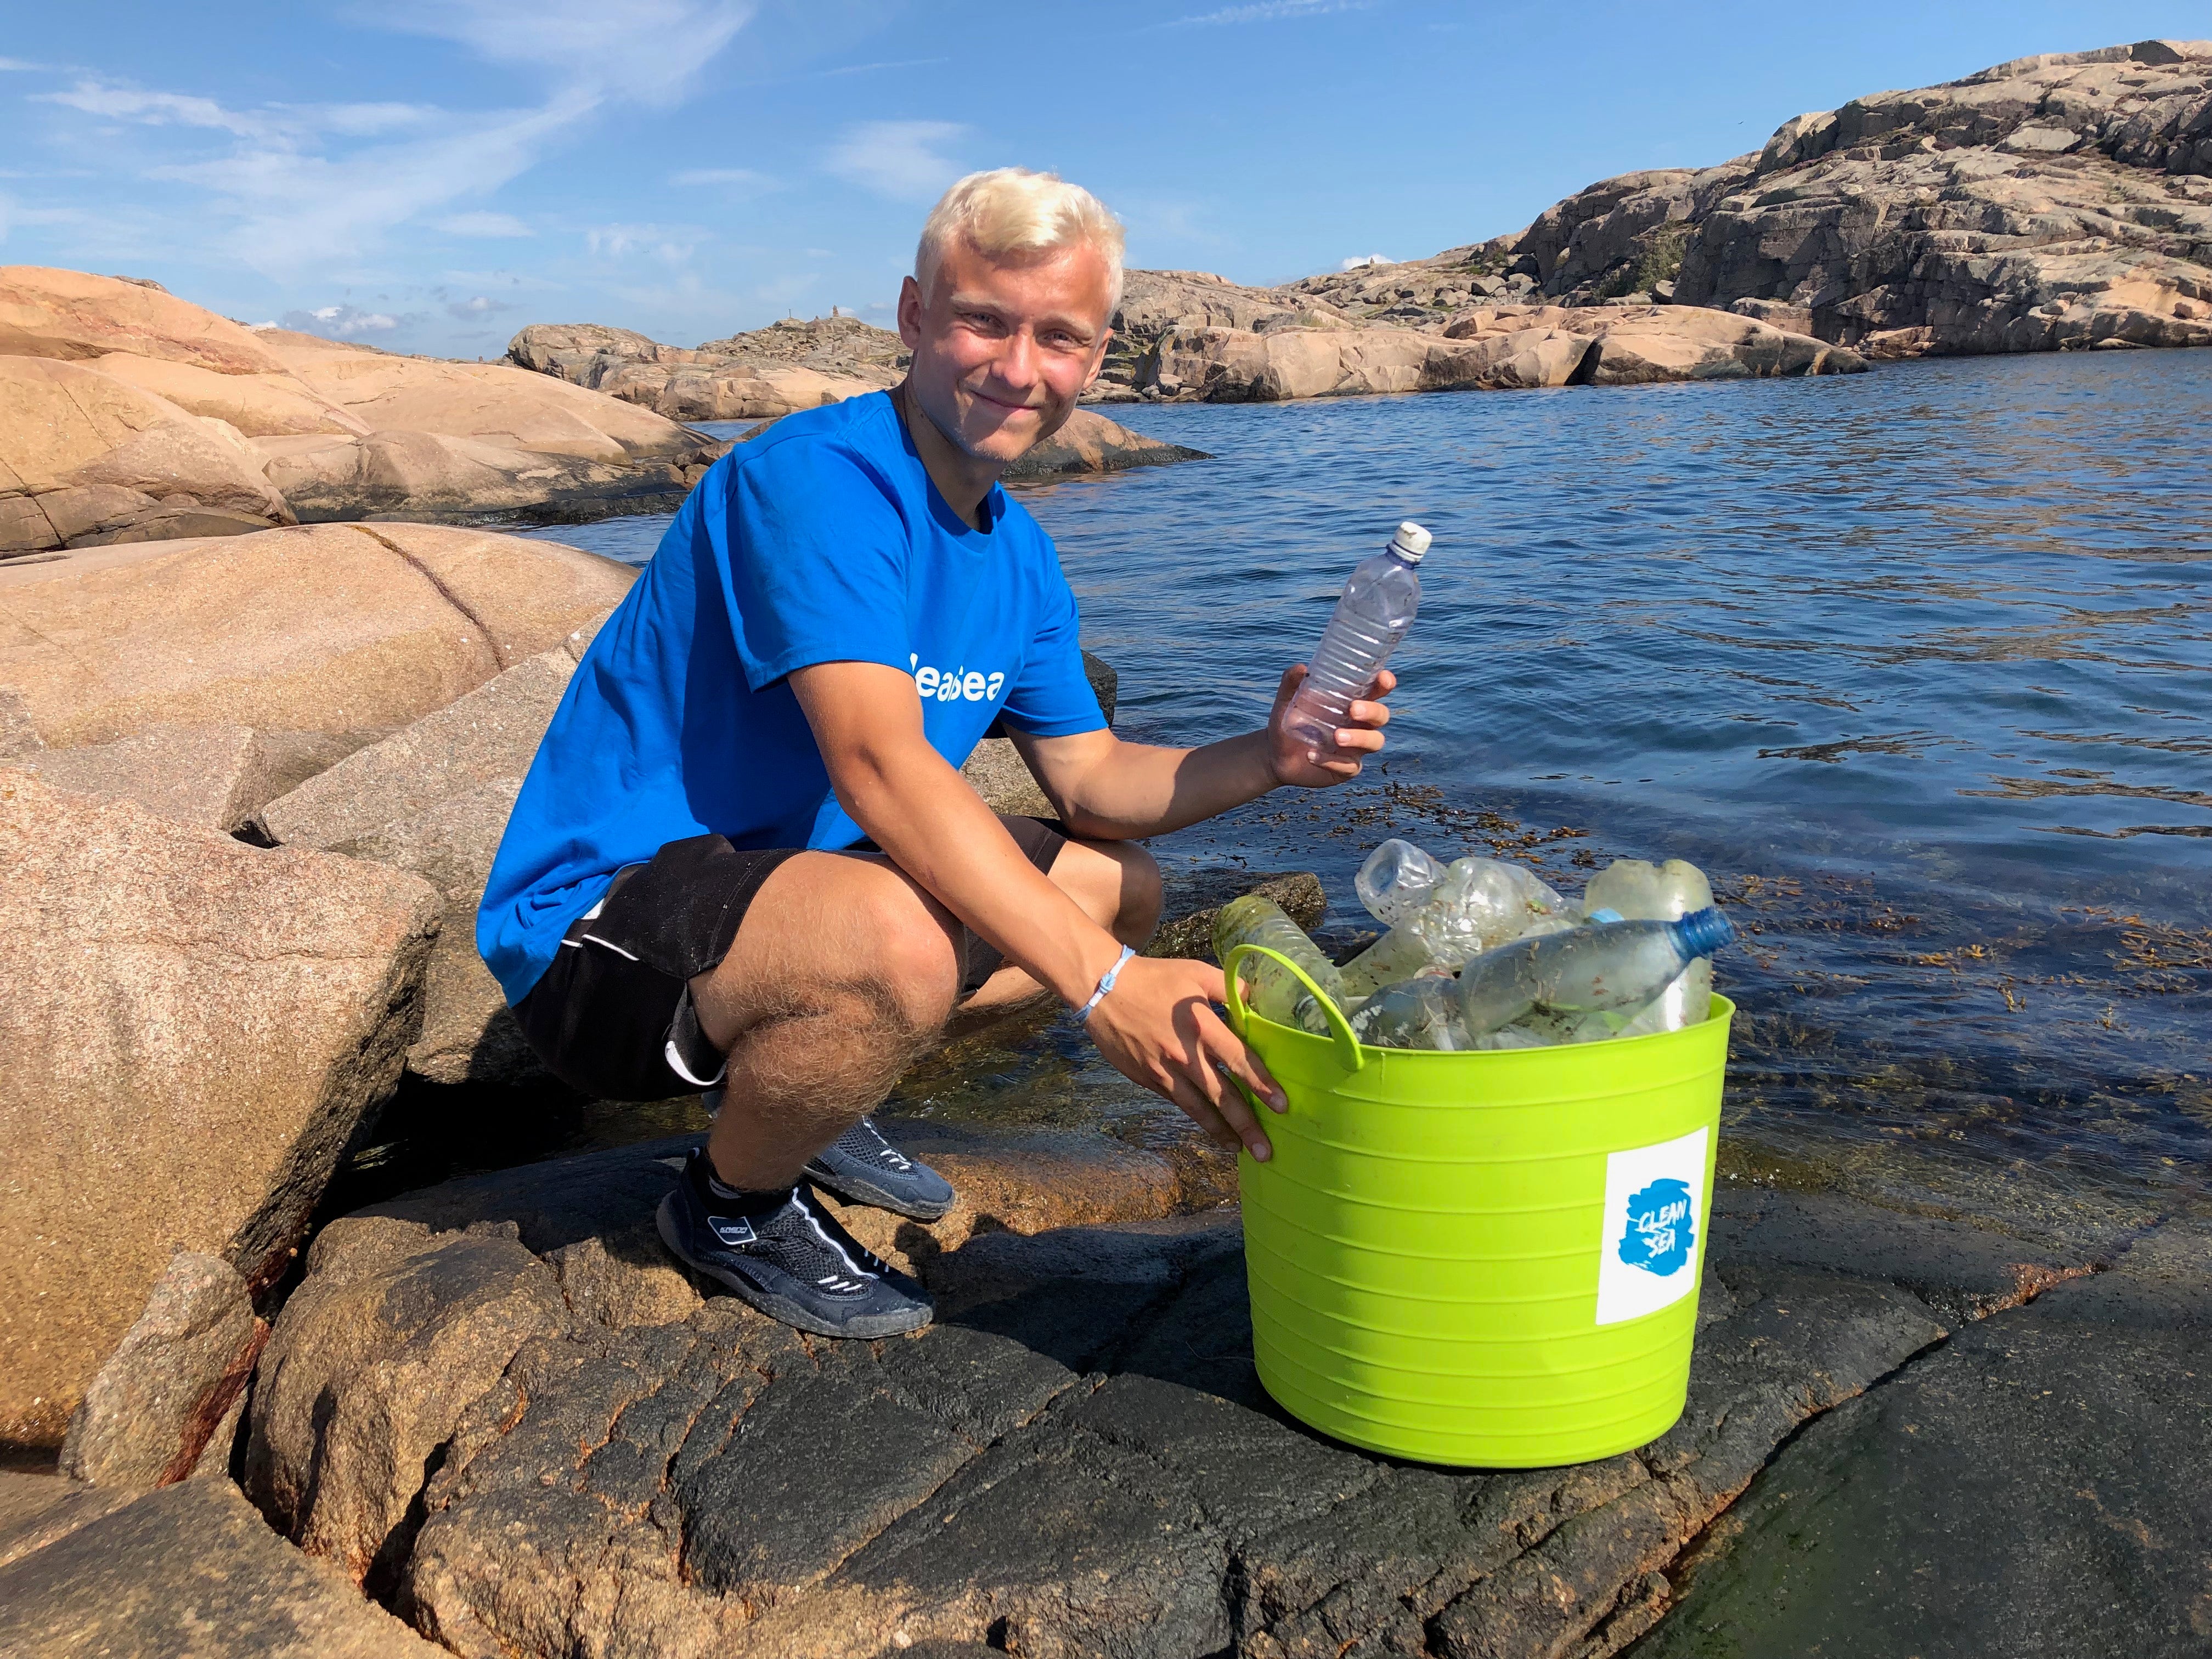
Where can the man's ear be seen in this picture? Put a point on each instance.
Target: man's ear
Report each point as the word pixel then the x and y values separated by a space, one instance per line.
pixel 1098 357
pixel 909 312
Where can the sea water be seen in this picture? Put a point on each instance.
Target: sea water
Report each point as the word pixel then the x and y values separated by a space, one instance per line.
pixel 1917 664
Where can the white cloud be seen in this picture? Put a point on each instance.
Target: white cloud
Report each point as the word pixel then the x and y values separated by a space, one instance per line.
pixel 296 206
pixel 297 187
pixel 482 224
pixel 1269 11
pixel 7 63
pixel 648 50
pixel 477 307
pixel 1364 260
pixel 339 322
pixel 897 159
pixel 620 241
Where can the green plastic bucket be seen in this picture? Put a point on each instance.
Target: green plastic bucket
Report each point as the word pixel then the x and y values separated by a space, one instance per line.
pixel 1487 1259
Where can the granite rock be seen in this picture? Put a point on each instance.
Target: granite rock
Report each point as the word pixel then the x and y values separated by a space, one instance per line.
pixel 1077 1457
pixel 185 1573
pixel 86 460
pixel 369 1367
pixel 469 1033
pixel 330 629
pixel 237 1013
pixel 2033 1485
pixel 481 736
pixel 71 316
pixel 160 1401
pixel 2051 202
pixel 212 777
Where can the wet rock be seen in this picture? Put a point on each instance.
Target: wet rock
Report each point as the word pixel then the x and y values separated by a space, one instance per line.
pixel 488 734
pixel 212 777
pixel 369 1368
pixel 437 477
pixel 86 460
pixel 2033 1485
pixel 239 1010
pixel 1192 901
pixel 1087 1464
pixel 1090 443
pixel 332 629
pixel 186 1572
pixel 180 1372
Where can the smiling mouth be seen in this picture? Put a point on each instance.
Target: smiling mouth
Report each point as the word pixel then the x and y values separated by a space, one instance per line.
pixel 1000 403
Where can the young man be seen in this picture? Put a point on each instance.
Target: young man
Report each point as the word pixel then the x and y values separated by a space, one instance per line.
pixel 745 860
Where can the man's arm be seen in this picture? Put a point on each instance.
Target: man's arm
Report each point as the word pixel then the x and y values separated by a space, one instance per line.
pixel 1110 790
pixel 1158 1028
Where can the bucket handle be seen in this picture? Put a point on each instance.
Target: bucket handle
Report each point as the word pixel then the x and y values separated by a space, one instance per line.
pixel 1348 1052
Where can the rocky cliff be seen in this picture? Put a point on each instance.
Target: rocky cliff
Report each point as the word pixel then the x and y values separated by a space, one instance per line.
pixel 2050 204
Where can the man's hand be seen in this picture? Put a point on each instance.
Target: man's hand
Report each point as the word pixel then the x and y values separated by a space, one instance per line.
pixel 1296 762
pixel 1157 1027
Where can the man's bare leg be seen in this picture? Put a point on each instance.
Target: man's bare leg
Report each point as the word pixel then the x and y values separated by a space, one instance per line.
pixel 843 972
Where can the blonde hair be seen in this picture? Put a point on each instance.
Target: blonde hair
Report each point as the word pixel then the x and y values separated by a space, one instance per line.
pixel 1014 212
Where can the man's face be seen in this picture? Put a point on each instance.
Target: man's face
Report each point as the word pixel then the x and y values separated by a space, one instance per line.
pixel 1002 350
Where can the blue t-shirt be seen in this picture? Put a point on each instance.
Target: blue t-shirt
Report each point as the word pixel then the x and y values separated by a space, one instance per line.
pixel 822 540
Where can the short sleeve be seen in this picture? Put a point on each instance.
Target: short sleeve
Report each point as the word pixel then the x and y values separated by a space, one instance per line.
pixel 1051 698
pixel 816 552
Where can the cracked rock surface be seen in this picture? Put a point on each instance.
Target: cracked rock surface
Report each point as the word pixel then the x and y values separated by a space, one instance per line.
pixel 1077 1458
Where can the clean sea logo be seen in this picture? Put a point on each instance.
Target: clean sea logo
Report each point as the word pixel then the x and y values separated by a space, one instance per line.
pixel 1648 1253
pixel 1659 1233
pixel 959 684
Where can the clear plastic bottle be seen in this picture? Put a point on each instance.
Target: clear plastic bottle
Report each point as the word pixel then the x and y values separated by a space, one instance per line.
pixel 1414 1013
pixel 1478 905
pixel 1274 993
pixel 1396 881
pixel 1610 965
pixel 1640 891
pixel 1372 615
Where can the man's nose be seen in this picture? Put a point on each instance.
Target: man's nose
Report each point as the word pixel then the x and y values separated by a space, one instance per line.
pixel 1018 363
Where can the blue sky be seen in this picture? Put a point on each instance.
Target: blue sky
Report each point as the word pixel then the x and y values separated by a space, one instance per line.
pixel 429 176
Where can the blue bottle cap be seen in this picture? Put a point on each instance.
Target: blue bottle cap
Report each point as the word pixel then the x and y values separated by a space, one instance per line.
pixel 1704 932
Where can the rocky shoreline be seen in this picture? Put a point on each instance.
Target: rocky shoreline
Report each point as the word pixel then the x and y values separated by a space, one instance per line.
pixel 249 789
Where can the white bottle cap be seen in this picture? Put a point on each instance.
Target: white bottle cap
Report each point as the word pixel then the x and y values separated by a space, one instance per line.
pixel 1412 541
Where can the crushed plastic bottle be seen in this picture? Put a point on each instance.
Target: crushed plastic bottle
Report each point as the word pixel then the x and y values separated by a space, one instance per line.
pixel 1275 994
pixel 1640 891
pixel 1371 615
pixel 1478 905
pixel 1414 1013
pixel 1396 880
pixel 1607 965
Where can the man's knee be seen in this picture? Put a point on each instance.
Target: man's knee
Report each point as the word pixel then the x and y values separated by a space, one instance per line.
pixel 1117 883
pixel 913 965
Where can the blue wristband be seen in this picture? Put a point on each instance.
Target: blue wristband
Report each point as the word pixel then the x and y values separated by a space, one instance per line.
pixel 1105 983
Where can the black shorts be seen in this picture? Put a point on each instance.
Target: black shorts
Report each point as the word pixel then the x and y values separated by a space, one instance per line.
pixel 612 1015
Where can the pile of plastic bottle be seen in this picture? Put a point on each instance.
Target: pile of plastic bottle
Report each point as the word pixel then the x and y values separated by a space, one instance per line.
pixel 1483 954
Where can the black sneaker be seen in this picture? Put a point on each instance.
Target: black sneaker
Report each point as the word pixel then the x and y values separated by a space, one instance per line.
pixel 793 1263
pixel 863 1168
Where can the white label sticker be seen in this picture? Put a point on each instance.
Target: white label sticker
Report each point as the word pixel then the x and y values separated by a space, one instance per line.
pixel 1655 1228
